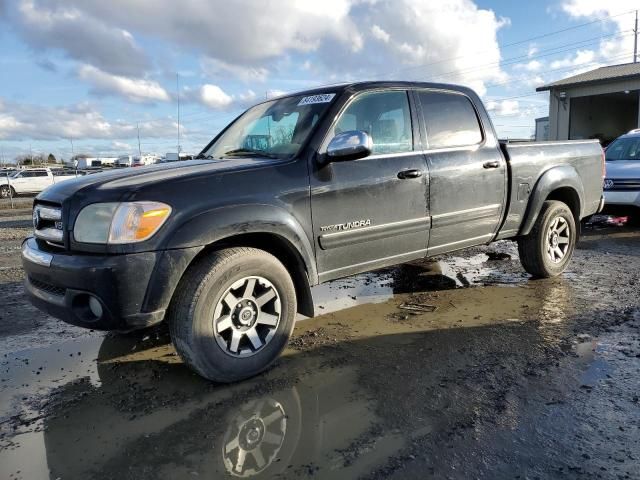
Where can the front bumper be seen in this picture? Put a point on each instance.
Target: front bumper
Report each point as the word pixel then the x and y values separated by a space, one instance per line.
pixel 133 290
pixel 623 198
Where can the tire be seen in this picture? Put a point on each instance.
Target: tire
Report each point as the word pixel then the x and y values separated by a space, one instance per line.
pixel 634 219
pixel 249 332
pixel 538 255
pixel 6 191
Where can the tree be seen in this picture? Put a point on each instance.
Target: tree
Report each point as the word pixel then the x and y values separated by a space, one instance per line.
pixel 51 158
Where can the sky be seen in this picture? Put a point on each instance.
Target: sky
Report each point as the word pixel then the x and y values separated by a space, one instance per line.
pixel 85 76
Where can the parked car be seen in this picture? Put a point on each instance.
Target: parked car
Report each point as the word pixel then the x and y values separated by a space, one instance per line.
pixel 124 161
pixel 142 160
pixel 622 182
pixel 353 178
pixel 33 180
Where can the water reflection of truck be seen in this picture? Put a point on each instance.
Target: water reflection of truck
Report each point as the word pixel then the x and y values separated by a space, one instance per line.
pixel 253 435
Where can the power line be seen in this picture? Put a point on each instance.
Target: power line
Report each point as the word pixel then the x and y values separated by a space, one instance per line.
pixel 519 42
pixel 514 60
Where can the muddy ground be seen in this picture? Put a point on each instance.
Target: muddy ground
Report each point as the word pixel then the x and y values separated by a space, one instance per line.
pixel 457 368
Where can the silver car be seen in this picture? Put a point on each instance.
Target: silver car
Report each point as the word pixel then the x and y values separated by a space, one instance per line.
pixel 622 181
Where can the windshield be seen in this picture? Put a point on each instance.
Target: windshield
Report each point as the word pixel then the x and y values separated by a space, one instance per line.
pixel 276 129
pixel 627 148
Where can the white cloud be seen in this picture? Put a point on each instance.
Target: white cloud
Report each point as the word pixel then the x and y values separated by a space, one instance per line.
pixel 213 97
pixel 241 32
pixel 581 57
pixel 350 39
pixel 116 145
pixel 452 41
pixel 83 37
pixel 504 108
pixel 380 34
pixel 134 89
pixel 25 121
pixel 220 69
pixel 620 13
pixel 531 66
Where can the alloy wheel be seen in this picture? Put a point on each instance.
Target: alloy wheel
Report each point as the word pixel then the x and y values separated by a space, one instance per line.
pixel 558 239
pixel 246 317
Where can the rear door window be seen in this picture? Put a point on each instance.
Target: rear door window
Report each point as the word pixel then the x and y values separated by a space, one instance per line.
pixel 450 120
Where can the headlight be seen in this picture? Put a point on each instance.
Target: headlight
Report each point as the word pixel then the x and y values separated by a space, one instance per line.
pixel 114 223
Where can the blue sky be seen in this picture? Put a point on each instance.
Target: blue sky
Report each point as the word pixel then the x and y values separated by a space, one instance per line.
pixel 93 71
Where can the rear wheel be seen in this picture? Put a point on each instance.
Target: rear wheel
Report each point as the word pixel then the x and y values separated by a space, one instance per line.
pixel 233 314
pixel 548 248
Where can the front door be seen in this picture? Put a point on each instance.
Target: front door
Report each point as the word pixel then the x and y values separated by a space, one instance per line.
pixel 21 183
pixel 467 172
pixel 372 212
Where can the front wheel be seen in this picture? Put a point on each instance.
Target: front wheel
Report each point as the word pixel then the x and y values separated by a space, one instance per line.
pixel 546 251
pixel 6 191
pixel 233 313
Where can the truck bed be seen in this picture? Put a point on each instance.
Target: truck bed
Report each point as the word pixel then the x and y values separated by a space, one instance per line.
pixel 528 162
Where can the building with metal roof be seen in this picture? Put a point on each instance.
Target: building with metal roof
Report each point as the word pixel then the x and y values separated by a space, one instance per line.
pixel 601 103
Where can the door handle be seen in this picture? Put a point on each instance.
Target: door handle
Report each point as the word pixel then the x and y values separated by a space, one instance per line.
pixel 493 164
pixel 413 173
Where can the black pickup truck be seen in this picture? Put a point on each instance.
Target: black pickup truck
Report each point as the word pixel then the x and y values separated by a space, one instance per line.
pixel 296 191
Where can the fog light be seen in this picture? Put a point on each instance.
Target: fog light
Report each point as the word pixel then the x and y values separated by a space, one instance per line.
pixel 95 306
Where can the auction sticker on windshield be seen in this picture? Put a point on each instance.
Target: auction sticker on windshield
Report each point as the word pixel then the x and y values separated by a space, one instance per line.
pixel 322 98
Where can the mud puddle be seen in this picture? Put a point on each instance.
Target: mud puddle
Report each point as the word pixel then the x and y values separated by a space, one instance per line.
pixel 496 266
pixel 333 407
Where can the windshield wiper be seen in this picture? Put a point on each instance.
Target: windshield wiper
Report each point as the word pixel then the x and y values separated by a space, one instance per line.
pixel 204 157
pixel 249 151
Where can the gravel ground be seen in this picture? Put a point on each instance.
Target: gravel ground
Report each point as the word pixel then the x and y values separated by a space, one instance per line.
pixel 462 367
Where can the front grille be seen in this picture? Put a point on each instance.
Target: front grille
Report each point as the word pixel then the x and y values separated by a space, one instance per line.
pixel 622 184
pixel 47 224
pixel 52 289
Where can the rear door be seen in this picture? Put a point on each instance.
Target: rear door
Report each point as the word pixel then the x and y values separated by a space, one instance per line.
pixel 468 174
pixel 41 180
pixel 372 212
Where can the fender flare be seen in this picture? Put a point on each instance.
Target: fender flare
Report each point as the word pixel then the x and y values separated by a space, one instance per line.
pixel 226 222
pixel 562 176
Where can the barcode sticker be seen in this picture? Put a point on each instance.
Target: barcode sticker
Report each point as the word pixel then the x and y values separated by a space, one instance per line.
pixel 321 98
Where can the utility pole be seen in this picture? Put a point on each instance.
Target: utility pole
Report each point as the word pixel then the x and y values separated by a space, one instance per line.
pixel 635 40
pixel 178 91
pixel 139 149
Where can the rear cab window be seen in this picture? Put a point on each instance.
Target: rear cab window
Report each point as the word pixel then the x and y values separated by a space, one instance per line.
pixel 450 119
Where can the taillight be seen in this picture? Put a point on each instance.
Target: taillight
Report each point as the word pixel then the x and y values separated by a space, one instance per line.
pixel 604 164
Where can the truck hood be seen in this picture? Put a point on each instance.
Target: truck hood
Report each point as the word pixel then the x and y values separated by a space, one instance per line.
pixel 623 169
pixel 130 179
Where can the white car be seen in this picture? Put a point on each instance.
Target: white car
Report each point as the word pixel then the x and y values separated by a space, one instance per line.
pixel 622 181
pixel 33 180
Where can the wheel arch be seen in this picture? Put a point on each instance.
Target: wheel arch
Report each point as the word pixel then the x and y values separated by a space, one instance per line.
pixel 560 183
pixel 283 250
pixel 265 227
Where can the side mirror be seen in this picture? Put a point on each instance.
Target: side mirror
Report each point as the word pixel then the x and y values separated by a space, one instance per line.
pixel 350 145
